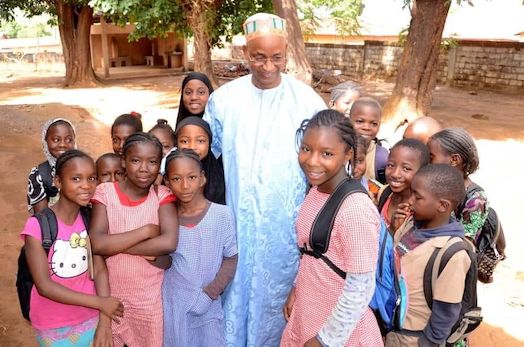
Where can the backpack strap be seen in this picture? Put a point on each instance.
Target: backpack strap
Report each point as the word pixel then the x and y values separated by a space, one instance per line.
pixel 48 227
pixel 383 195
pixel 320 234
pixel 436 264
pixel 85 213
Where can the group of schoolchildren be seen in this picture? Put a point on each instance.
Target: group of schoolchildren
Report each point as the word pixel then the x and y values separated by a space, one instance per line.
pixel 160 247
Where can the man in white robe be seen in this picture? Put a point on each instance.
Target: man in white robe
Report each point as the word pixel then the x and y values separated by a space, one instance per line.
pixel 254 119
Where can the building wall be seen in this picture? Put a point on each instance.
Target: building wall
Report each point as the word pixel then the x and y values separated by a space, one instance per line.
pixel 481 64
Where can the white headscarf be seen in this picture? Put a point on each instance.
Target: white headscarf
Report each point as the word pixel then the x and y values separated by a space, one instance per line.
pixel 50 158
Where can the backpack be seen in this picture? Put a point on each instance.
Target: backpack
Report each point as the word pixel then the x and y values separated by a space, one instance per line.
pixel 470 314
pixel 389 302
pixel 49 230
pixel 490 241
pixel 383 196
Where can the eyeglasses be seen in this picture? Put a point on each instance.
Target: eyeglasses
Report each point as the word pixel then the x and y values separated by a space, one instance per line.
pixel 260 60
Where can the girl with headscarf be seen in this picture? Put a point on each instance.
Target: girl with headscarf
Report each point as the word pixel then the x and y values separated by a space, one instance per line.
pixel 58 136
pixel 196 88
pixel 194 133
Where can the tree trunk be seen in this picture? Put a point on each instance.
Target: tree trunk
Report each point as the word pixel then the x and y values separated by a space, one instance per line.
pixel 74 24
pixel 199 21
pixel 417 72
pixel 297 63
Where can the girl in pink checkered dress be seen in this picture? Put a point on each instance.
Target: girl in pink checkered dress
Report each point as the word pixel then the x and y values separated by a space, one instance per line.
pixel 135 226
pixel 323 309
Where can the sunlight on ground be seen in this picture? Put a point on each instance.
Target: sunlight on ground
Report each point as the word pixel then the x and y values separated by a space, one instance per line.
pixel 104 103
pixel 500 163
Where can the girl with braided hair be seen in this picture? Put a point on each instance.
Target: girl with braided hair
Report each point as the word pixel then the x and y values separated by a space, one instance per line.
pixel 204 262
pixel 322 308
pixel 133 224
pixel 454 146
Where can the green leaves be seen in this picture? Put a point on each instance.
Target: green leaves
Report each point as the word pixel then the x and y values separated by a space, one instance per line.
pixel 344 13
pixel 157 17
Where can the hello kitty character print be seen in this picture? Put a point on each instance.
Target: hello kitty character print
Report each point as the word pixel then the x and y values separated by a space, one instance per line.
pixel 69 257
pixel 68 266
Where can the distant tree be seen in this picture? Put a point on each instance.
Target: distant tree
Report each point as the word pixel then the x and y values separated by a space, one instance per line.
pixel 11 29
pixel 74 23
pixel 205 20
pixel 344 13
pixel 74 18
pixel 417 71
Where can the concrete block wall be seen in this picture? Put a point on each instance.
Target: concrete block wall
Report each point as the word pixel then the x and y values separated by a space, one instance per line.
pixel 478 64
pixel 499 66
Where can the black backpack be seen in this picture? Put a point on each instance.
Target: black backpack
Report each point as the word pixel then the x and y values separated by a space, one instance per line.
pixel 470 314
pixel 389 302
pixel 320 234
pixel 490 242
pixel 49 230
pixel 384 195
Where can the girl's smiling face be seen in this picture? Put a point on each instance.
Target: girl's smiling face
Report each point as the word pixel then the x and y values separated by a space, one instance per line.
pixel 323 156
pixel 195 96
pixel 60 138
pixel 403 163
pixel 77 181
pixel 366 120
pixel 195 138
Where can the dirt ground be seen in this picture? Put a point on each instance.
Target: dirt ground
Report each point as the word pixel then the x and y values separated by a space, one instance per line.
pixel 28 99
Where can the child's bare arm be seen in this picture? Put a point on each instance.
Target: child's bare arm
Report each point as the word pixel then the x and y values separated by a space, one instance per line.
pixel 103 333
pixel 39 206
pixel 106 244
pixel 167 241
pixel 39 268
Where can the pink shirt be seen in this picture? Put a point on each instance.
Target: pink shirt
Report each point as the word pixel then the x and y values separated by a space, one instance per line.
pixel 67 260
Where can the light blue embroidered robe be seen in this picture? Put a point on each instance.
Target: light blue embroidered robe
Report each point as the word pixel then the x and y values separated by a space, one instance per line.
pixel 254 131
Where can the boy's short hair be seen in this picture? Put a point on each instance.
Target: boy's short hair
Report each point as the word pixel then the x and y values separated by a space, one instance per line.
pixel 366 101
pixel 444 181
pixel 107 156
pixel 417 146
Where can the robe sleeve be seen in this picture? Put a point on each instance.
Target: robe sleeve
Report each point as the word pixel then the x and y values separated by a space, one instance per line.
pixel 213 117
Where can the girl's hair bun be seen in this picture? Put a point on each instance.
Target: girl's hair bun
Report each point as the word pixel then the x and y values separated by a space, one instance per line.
pixel 136 114
pixel 161 121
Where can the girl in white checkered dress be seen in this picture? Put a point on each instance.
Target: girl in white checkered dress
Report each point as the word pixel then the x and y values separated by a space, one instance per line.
pixel 204 262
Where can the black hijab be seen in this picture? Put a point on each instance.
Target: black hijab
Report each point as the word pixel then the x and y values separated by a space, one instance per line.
pixel 183 112
pixel 215 189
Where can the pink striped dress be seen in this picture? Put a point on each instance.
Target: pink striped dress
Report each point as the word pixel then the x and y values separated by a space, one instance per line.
pixel 132 279
pixel 353 247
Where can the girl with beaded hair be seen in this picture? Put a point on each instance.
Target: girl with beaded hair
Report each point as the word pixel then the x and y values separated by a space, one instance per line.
pixel 454 146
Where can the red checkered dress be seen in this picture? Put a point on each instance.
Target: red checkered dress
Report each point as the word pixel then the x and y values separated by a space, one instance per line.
pixel 132 279
pixel 353 248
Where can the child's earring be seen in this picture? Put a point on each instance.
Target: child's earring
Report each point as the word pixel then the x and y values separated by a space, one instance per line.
pixel 455 160
pixel 56 182
pixel 331 103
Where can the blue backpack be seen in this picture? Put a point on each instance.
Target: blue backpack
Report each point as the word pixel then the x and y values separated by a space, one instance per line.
pixel 389 302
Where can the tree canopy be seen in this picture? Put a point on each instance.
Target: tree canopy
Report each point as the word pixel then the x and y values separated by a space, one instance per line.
pixel 154 18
